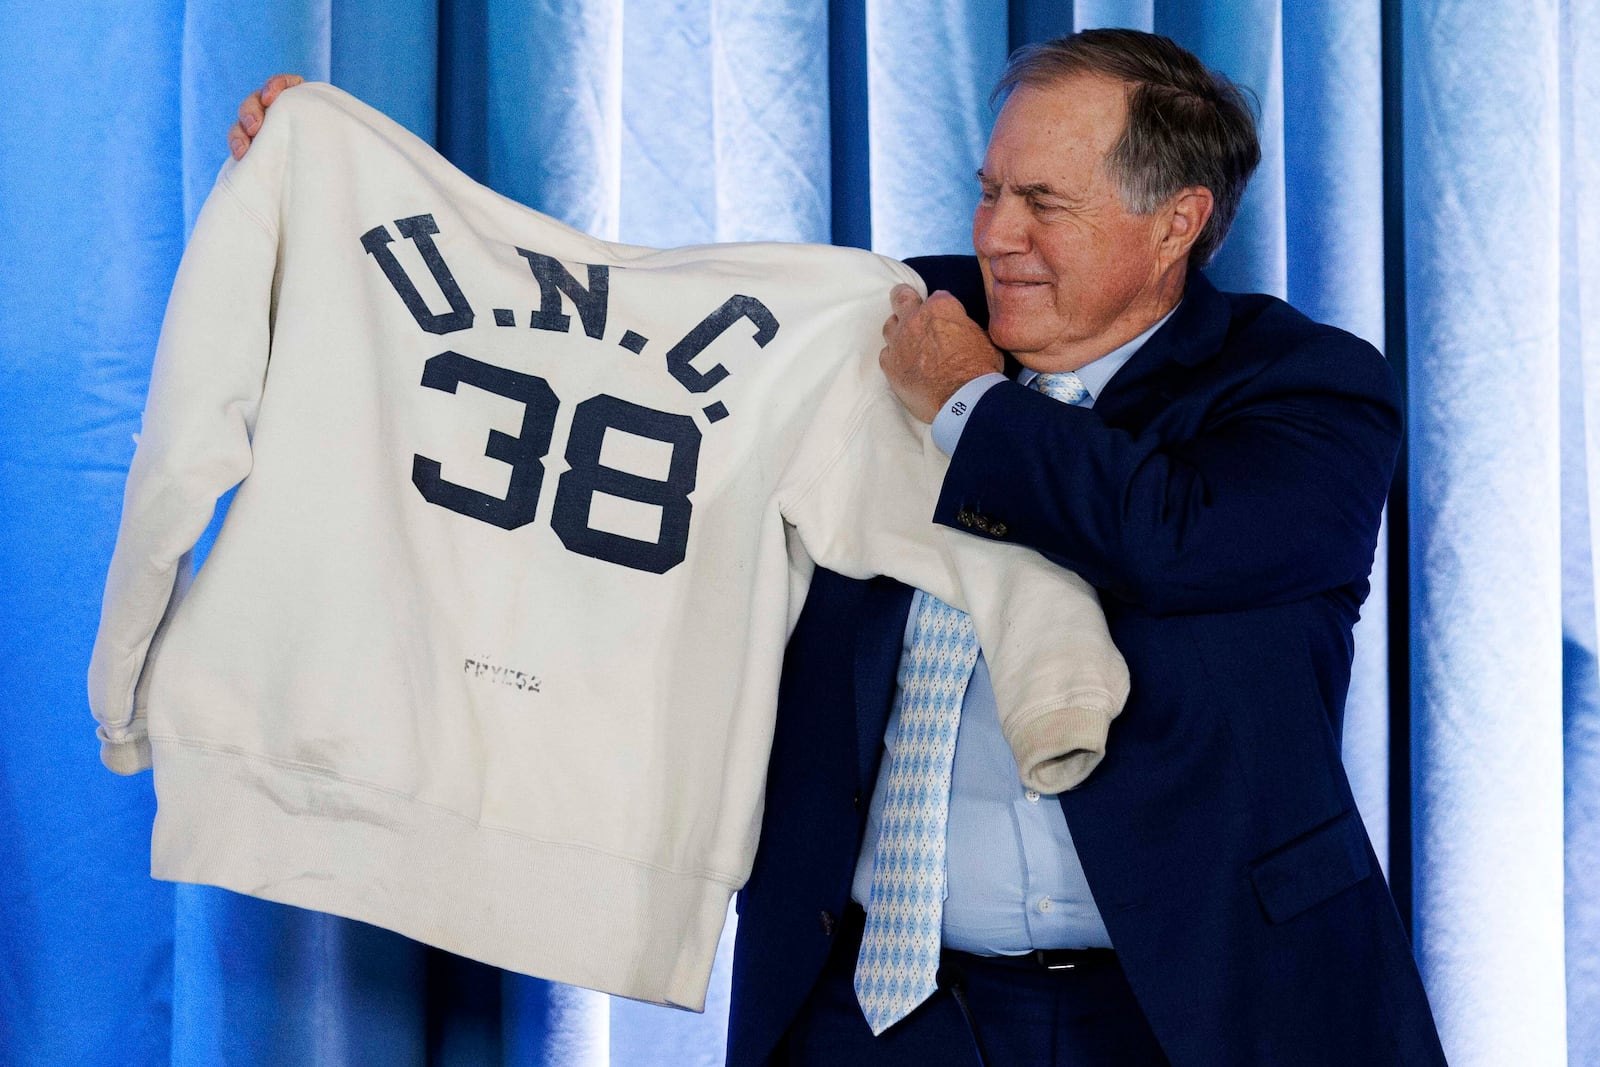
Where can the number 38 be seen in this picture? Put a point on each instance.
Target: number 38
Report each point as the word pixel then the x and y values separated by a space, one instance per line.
pixel 586 475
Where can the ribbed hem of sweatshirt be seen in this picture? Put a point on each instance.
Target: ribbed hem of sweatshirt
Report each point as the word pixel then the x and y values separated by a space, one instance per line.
pixel 564 913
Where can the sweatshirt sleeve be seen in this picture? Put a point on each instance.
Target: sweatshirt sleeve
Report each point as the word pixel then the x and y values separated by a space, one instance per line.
pixel 864 506
pixel 1058 678
pixel 194 446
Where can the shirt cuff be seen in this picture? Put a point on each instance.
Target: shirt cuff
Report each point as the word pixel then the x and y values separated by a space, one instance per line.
pixel 952 418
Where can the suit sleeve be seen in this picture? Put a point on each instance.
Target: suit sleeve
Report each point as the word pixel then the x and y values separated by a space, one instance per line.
pixel 194 446
pixel 1268 491
pixel 862 489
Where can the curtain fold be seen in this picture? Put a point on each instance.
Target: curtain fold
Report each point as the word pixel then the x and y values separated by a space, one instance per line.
pixel 929 71
pixel 688 121
pixel 554 108
pixel 388 55
pixel 1333 182
pixel 1134 14
pixel 227 51
pixel 1483 176
pixel 1580 531
pixel 91 228
pixel 770 121
pixel 669 175
pixel 256 981
pixel 1244 40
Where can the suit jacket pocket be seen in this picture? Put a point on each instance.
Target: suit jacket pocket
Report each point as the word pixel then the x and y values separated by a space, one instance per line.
pixel 1311 868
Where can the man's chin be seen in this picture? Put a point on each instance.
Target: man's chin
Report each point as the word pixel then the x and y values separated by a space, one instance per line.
pixel 1008 337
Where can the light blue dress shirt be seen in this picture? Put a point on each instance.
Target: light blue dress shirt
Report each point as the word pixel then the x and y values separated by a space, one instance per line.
pixel 1015 883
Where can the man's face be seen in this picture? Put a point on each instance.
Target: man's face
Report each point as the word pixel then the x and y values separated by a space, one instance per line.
pixel 1070 273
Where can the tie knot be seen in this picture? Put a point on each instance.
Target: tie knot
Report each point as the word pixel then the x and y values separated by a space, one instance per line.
pixel 1063 386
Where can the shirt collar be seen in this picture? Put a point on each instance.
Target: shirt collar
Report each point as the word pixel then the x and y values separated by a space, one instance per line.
pixel 1097 373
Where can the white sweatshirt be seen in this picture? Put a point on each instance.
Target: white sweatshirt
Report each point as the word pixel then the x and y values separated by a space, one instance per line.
pixel 487 649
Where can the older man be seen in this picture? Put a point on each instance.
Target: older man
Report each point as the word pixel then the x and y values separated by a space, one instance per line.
pixel 1215 464
pixel 1217 471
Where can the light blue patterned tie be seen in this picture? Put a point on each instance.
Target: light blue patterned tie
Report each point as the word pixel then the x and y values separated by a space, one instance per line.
pixel 900 943
pixel 899 961
pixel 1061 385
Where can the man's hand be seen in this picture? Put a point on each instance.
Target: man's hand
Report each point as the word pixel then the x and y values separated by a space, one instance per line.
pixel 932 349
pixel 254 109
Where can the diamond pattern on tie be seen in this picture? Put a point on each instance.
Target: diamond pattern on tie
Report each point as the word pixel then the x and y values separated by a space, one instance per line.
pixel 1063 386
pixel 899 958
pixel 900 944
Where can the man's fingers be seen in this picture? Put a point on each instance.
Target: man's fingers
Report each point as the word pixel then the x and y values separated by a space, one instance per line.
pixel 902 297
pixel 254 111
pixel 905 300
pixel 277 84
pixel 250 115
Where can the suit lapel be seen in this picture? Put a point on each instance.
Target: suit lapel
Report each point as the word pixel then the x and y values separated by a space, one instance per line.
pixel 879 634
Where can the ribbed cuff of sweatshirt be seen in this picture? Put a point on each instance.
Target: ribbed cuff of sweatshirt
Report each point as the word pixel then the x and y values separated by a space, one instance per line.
pixel 127 750
pixel 1056 750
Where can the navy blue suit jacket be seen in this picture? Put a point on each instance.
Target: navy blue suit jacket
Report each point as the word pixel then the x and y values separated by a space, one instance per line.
pixel 1223 495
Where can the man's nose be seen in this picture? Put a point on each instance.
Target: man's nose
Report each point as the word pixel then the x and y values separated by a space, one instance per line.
pixel 1000 228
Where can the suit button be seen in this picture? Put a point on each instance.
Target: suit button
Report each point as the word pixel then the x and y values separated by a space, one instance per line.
pixel 855 800
pixel 827 924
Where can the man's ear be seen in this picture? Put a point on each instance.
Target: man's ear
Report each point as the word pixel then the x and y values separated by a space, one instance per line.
pixel 1187 214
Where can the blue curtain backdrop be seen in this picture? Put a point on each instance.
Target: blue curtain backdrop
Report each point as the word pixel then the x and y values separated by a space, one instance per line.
pixel 1430 182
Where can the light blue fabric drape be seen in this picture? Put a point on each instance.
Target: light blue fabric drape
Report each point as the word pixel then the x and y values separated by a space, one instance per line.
pixel 1462 238
pixel 92 228
pixel 1333 189
pixel 1580 529
pixel 929 71
pixel 1483 297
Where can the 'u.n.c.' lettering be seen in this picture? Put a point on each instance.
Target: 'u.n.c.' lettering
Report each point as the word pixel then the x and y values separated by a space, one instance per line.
pixel 525 451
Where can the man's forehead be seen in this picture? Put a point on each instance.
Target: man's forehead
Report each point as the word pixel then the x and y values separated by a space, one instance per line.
pixel 1046 132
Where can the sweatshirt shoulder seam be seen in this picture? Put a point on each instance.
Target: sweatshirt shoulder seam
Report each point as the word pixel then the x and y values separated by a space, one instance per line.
pixel 255 216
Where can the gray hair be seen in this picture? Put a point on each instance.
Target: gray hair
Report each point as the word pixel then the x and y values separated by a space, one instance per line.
pixel 1187 125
